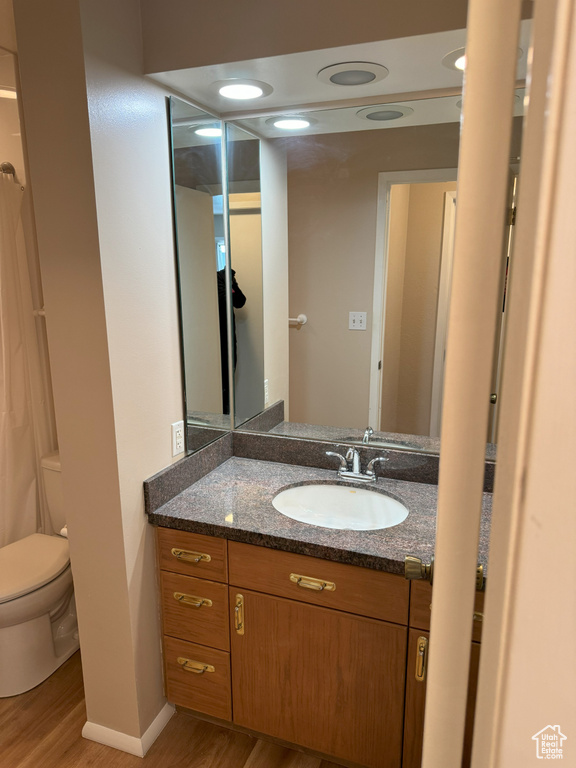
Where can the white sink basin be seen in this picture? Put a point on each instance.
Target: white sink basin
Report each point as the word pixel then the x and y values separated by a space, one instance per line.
pixel 340 506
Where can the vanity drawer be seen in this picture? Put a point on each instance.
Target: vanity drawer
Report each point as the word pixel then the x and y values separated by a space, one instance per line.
pixel 195 609
pixel 192 554
pixel 205 691
pixel 352 589
pixel 420 606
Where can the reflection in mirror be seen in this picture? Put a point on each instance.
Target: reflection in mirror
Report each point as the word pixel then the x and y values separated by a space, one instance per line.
pixel 370 232
pixel 245 239
pixel 360 359
pixel 201 257
pixel 420 237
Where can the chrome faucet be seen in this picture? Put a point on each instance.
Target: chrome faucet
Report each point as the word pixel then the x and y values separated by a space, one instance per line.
pixel 368 432
pixel 350 466
pixel 353 458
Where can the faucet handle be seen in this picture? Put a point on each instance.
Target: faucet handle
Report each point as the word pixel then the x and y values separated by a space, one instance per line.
pixel 341 459
pixel 370 468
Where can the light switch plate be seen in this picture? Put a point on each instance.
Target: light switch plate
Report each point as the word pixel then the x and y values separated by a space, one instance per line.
pixel 357 321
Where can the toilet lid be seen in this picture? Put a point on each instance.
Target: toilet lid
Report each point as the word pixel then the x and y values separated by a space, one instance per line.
pixel 30 563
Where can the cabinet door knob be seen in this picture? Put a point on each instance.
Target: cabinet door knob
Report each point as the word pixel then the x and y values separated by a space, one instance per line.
pixel 415 569
pixel 190 557
pixel 307 582
pixel 194 666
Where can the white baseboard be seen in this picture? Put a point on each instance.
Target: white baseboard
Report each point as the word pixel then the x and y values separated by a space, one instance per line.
pixel 131 744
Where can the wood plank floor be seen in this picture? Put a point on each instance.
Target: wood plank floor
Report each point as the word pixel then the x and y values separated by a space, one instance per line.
pixel 42 729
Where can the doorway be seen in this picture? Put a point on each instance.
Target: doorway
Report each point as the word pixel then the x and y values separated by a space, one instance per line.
pixel 415 229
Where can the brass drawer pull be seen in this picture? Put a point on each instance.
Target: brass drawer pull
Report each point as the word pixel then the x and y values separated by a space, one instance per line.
pixel 421 658
pixel 239 615
pixel 307 582
pixel 190 557
pixel 194 666
pixel 192 600
pixel 478 616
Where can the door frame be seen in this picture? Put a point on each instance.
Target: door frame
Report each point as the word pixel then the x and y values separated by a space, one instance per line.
pixel 385 181
pixel 444 287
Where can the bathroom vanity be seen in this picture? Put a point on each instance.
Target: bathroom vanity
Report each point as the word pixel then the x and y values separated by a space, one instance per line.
pixel 301 649
pixel 310 636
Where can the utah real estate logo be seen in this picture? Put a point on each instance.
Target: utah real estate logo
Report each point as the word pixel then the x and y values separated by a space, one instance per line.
pixel 549 743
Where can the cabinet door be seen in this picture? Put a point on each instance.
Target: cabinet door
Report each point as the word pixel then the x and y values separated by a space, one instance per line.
pixel 416 700
pixel 326 680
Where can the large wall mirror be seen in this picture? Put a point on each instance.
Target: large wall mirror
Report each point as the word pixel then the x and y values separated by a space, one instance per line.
pixel 346 218
pixel 217 229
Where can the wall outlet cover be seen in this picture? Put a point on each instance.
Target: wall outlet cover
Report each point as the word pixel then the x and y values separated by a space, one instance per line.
pixel 177 438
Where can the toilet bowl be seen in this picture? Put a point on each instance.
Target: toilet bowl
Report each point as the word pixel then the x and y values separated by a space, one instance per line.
pixel 38 628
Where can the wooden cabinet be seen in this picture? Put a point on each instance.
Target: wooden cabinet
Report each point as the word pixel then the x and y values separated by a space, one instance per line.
pixel 198 677
pixel 299 577
pixel 307 651
pixel 420 600
pixel 421 603
pixel 324 679
pixel 195 609
pixel 192 554
pixel 195 621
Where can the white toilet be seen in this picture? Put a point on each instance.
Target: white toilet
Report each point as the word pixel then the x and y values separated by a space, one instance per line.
pixel 38 628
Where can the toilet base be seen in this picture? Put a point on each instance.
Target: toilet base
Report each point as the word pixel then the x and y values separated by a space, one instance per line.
pixel 30 652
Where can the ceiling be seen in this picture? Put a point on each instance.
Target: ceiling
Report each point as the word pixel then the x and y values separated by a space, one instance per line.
pixel 414 63
pixel 417 78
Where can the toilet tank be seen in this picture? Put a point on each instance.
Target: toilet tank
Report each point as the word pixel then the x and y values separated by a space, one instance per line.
pixel 51 474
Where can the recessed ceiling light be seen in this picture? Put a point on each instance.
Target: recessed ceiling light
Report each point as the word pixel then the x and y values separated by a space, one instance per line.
pixel 210 132
pixel 455 59
pixel 384 112
pixel 242 89
pixel 351 73
pixel 290 122
pixel 7 93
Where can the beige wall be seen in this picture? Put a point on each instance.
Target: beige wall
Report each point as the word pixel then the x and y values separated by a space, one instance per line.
pixel 332 203
pixel 179 34
pixel 102 195
pixel 7 28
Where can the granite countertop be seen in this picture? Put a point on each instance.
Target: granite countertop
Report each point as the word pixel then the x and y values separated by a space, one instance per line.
pixel 234 501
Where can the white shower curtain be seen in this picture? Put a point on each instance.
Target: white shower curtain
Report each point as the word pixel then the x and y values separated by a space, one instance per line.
pixel 26 427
